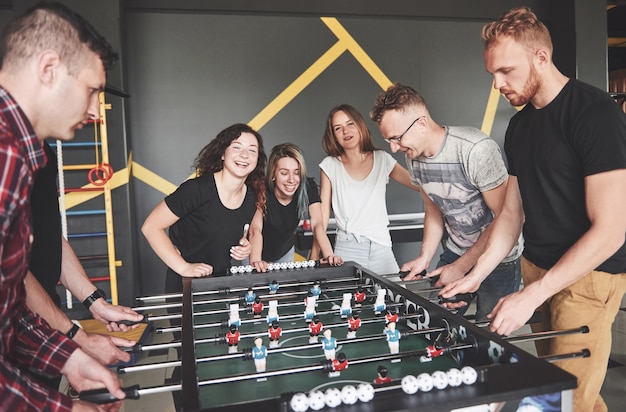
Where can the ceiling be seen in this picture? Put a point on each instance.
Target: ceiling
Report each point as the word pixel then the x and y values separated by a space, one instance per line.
pixel 616 28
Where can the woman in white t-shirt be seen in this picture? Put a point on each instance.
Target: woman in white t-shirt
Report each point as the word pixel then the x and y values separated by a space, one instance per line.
pixel 353 179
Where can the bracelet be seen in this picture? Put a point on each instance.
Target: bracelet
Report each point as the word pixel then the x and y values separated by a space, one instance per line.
pixel 72 332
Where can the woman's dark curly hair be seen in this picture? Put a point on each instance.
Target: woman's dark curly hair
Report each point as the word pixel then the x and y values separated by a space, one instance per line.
pixel 209 160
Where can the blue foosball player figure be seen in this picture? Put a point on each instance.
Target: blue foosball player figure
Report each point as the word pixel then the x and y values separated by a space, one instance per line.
pixel 259 354
pixel 329 344
pixel 249 297
pixel 393 337
pixel 274 286
pixel 316 289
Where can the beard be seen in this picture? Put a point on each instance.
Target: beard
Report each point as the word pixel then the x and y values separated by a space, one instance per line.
pixel 530 89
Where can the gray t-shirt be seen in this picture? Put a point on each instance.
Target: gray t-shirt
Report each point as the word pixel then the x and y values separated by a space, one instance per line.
pixel 468 164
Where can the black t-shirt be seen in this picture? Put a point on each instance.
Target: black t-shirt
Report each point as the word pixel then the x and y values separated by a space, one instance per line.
pixel 206 229
pixel 580 133
pixel 45 256
pixel 281 222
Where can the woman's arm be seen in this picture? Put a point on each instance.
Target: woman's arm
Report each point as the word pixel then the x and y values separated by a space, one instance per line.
pixel 320 238
pixel 154 229
pixel 256 241
pixel 401 175
pixel 325 206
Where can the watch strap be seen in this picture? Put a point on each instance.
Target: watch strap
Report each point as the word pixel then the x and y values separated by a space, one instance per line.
pixel 72 332
pixel 99 293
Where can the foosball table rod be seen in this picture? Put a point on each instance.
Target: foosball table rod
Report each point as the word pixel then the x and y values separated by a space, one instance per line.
pixel 244 321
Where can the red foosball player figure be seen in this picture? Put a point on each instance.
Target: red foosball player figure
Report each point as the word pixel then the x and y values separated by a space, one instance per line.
pixel 338 364
pixel 232 338
pixel 391 316
pixel 315 328
pixel 257 307
pixel 274 332
pixel 383 376
pixel 432 351
pixel 354 323
pixel 359 296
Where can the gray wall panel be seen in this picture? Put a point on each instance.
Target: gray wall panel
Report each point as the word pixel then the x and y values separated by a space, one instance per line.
pixel 191 75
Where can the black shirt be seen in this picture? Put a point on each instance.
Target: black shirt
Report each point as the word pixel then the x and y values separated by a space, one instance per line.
pixel 281 222
pixel 551 150
pixel 45 256
pixel 206 229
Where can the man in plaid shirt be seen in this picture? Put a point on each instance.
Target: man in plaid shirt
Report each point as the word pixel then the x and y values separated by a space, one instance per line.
pixel 52 69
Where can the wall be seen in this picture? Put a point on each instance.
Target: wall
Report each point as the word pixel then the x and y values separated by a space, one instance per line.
pixel 193 67
pixel 207 71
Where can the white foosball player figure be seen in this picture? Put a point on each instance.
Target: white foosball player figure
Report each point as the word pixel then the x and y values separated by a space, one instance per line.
pixel 346 306
pixel 309 311
pixel 233 317
pixel 379 304
pixel 272 312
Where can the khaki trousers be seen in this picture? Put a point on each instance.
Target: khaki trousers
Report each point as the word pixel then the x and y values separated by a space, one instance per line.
pixel 593 301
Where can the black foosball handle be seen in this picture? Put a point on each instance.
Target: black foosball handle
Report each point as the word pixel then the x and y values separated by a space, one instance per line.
pixel 137 348
pixel 144 319
pixel 461 297
pixel 104 396
pixel 404 273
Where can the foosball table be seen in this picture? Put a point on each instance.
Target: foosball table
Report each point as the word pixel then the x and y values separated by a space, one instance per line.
pixel 306 336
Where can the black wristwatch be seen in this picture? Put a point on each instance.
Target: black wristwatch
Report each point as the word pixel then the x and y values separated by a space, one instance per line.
pixel 72 332
pixel 99 293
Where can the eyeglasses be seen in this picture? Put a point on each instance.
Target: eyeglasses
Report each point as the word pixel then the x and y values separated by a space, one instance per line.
pixel 396 140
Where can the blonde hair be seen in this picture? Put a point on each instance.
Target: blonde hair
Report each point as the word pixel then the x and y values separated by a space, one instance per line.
pixel 522 25
pixel 290 150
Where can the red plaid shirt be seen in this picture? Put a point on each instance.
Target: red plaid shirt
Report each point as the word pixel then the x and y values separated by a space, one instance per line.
pixel 27 342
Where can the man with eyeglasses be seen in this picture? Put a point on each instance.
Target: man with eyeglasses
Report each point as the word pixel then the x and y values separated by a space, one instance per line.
pixel 463 180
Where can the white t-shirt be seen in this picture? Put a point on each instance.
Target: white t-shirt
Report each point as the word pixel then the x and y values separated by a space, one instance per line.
pixel 360 207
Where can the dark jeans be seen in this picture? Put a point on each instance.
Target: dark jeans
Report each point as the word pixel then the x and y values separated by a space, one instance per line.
pixel 504 280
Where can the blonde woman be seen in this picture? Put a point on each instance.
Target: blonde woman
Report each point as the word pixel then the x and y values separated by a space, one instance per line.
pixel 291 196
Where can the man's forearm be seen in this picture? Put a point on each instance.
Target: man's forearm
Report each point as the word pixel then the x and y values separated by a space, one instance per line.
pixel 38 300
